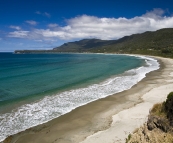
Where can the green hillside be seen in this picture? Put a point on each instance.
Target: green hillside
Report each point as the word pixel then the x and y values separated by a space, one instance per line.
pixel 84 45
pixel 158 43
pixel 152 43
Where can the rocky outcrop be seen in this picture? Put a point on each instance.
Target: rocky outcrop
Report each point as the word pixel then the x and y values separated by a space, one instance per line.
pixel 155 122
pixel 144 135
pixel 159 127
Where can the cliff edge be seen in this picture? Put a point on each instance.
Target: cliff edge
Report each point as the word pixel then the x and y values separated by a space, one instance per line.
pixel 159 127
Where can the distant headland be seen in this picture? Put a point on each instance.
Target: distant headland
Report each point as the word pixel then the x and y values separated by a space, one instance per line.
pixel 157 43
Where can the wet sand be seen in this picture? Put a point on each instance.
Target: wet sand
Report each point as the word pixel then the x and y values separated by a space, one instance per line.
pixel 92 122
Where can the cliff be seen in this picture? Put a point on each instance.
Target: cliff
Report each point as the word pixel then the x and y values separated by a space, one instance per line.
pixel 159 127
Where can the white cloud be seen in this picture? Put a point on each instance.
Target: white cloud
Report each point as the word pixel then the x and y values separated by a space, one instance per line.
pixel 15 27
pixel 19 34
pixel 52 25
pixel 103 28
pixel 156 13
pixel 31 22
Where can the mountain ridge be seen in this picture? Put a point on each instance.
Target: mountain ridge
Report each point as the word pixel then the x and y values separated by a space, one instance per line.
pixel 157 43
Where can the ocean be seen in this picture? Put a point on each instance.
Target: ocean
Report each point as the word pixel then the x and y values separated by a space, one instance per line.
pixel 36 88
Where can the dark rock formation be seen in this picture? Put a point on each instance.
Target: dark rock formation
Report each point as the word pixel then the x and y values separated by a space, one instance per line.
pixel 159 123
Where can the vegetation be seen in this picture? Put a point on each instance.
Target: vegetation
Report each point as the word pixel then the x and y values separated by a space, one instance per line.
pixel 159 127
pixel 158 110
pixel 128 138
pixel 157 43
pixel 169 108
pixel 170 95
pixel 165 109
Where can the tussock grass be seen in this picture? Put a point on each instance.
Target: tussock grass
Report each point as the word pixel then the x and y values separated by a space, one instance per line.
pixel 158 110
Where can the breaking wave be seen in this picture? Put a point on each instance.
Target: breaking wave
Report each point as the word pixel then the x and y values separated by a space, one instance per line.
pixel 51 107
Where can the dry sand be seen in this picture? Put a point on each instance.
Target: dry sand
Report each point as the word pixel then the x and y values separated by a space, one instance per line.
pixel 106 120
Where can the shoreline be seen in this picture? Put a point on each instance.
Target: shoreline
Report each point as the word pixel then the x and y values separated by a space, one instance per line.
pixel 96 116
pixel 132 118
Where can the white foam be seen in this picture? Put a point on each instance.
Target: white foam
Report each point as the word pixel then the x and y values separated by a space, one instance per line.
pixel 50 107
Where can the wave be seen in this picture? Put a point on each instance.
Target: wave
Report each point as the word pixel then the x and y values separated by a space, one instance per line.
pixel 51 107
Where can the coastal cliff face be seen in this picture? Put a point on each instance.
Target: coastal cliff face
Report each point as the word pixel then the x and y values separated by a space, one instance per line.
pixel 159 127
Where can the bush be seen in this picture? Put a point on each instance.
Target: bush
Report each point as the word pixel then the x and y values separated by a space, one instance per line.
pixel 170 95
pixel 169 107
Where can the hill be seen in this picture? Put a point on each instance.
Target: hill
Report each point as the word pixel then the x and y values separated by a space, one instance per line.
pixel 158 43
pixel 84 45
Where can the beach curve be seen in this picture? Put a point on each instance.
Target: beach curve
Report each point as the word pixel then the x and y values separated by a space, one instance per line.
pixel 99 118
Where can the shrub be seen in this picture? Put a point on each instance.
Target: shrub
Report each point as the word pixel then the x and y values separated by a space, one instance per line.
pixel 170 95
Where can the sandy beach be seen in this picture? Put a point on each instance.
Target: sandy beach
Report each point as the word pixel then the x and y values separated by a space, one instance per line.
pixel 107 120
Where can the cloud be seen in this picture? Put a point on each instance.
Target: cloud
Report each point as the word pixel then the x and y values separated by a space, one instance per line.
pixel 52 25
pixel 19 34
pixel 31 22
pixel 156 13
pixel 15 27
pixel 44 14
pixel 103 28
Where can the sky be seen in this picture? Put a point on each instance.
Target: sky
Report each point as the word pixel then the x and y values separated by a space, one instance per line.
pixel 46 24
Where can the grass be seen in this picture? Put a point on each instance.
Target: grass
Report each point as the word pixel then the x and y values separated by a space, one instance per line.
pixel 159 110
pixel 128 138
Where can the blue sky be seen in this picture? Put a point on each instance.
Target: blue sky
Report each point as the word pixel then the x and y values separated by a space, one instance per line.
pixel 45 24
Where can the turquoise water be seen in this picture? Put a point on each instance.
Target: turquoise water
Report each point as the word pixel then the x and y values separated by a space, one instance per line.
pixel 35 88
pixel 26 76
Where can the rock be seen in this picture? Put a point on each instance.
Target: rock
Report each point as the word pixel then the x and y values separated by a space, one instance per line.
pixel 143 135
pixel 159 127
pixel 157 122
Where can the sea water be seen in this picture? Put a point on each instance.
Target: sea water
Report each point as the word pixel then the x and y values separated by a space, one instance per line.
pixel 36 88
